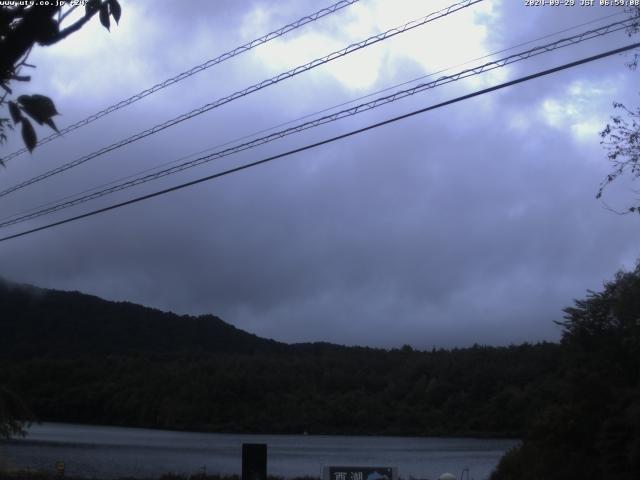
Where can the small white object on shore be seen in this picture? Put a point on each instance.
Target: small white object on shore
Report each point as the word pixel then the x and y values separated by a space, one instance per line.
pixel 447 476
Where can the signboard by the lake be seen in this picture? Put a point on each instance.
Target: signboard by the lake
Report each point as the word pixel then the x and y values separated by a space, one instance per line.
pixel 359 473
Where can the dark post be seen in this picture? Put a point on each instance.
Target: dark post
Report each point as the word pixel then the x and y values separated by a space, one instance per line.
pixel 254 461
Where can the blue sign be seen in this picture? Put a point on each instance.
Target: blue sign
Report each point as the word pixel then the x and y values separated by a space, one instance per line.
pixel 358 473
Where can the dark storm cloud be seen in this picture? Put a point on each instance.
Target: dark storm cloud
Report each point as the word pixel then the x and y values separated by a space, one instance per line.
pixel 447 229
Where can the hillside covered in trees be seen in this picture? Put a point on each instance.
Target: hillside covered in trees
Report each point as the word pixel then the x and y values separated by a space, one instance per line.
pixel 47 323
pixel 77 358
pixel 590 426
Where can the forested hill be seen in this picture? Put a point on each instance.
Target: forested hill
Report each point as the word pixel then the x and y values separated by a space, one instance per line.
pixel 36 322
pixel 77 358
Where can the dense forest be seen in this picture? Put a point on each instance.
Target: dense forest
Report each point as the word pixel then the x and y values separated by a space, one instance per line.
pixel 590 426
pixel 77 358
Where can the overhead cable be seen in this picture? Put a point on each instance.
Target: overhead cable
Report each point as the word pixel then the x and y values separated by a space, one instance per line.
pixel 192 71
pixel 258 86
pixel 326 141
pixel 348 112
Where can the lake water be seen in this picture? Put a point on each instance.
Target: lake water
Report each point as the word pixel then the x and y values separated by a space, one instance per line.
pixel 111 452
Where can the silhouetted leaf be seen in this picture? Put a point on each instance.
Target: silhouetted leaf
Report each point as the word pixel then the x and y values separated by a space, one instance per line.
pixel 46 32
pixel 104 15
pixel 39 107
pixel 16 114
pixel 116 11
pixel 29 134
pixel 51 124
pixel 91 6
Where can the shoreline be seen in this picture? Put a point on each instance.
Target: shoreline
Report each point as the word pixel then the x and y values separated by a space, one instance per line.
pixel 458 435
pixel 29 474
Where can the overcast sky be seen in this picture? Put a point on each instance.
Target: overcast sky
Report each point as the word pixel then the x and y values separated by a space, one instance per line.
pixel 473 223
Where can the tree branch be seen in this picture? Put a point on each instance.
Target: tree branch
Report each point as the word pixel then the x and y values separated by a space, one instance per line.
pixel 21 39
pixel 63 16
pixel 70 29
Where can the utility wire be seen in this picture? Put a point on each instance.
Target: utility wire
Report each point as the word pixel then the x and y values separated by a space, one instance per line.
pixel 614 27
pixel 197 69
pixel 289 122
pixel 258 86
pixel 309 115
pixel 328 140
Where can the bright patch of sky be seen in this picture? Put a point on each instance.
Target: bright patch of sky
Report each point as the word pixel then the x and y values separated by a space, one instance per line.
pixel 102 62
pixel 433 47
pixel 580 108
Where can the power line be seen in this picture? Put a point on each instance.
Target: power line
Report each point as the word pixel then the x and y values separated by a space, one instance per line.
pixel 329 140
pixel 289 122
pixel 259 86
pixel 575 39
pixel 333 107
pixel 327 109
pixel 192 71
pixel 308 115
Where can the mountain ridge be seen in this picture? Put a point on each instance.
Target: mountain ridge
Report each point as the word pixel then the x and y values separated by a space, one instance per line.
pixel 40 322
pixel 77 358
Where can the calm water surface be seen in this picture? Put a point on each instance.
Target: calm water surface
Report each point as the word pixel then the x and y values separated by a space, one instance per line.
pixel 110 452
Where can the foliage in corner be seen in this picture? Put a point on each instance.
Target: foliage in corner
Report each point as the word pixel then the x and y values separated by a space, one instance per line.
pixel 21 28
pixel 621 137
pixel 590 428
